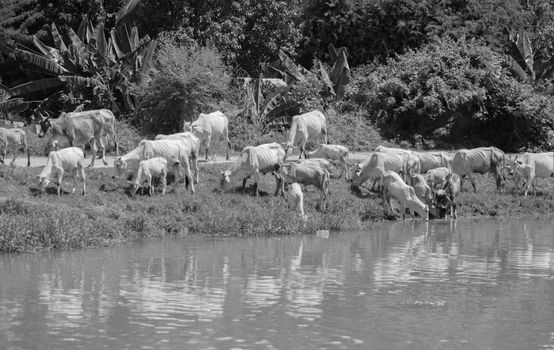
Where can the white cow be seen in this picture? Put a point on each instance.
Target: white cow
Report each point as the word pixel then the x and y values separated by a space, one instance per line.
pixel 531 166
pixel 148 168
pixel 480 160
pixel 432 160
pixel 445 198
pixel 67 159
pixel 208 126
pixel 422 189
pixel 295 199
pixel 171 150
pixel 436 178
pixel 306 175
pixel 305 127
pixel 16 138
pixel 253 161
pixel 81 128
pixel 336 153
pixel 410 161
pixel 374 167
pixel 194 143
pixel 394 186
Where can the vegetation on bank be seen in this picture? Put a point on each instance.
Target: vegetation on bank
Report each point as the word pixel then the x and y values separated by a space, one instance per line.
pixel 31 220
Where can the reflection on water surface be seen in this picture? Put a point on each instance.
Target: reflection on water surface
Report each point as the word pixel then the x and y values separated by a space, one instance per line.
pixel 472 285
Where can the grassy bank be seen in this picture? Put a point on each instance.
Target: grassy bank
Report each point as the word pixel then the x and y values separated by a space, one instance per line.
pixel 31 220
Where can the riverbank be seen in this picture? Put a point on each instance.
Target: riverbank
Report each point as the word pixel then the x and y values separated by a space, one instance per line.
pixel 31 220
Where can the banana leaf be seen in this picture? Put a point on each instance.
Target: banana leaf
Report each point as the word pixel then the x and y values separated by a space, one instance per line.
pixel 43 48
pixel 36 85
pixel 327 84
pixel 340 76
pixel 60 45
pixel 77 81
pixel 134 39
pixel 521 52
pixel 290 67
pixel 82 31
pixel 101 44
pixel 41 61
pixel 5 90
pixel 147 58
pixel 13 105
pixel 118 51
pixel 126 10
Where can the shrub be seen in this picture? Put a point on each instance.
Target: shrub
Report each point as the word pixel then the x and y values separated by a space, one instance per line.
pixel 190 79
pixel 455 92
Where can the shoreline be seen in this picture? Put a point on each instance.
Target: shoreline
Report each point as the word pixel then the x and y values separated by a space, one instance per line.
pixel 107 215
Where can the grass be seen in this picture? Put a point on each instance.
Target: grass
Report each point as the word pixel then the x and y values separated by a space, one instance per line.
pixel 32 220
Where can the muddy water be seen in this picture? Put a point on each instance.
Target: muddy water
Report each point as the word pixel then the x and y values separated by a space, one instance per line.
pixel 485 284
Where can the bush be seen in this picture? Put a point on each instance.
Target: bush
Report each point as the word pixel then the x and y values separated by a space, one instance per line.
pixel 457 93
pixel 190 79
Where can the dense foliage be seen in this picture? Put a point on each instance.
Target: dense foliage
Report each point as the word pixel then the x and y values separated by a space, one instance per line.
pixel 454 92
pixel 432 72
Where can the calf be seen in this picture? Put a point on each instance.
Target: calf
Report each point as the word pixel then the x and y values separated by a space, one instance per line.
pixel 17 138
pixel 394 186
pixel 148 168
pixel 336 153
pixel 445 198
pixel 67 159
pixel 531 166
pixel 306 175
pixel 422 189
pixel 295 199
pixel 436 178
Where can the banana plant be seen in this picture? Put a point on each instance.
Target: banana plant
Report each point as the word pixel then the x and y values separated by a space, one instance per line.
pixel 269 110
pixel 91 65
pixel 524 63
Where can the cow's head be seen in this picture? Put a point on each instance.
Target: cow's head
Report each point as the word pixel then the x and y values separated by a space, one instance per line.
pixel 187 126
pixel 43 182
pixel 442 200
pixel 224 180
pixel 45 124
pixel 120 167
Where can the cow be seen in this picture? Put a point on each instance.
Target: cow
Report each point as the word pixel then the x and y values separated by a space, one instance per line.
pixel 394 186
pixel 431 160
pixel 445 198
pixel 306 175
pixel 336 153
pixel 68 159
pixel 208 126
pixel 17 138
pixel 410 161
pixel 148 168
pixel 480 160
pixel 422 189
pixel 81 128
pixel 253 161
pixel 194 143
pixel 436 178
pixel 531 166
pixel 171 150
pixel 295 199
pixel 374 167
pixel 305 127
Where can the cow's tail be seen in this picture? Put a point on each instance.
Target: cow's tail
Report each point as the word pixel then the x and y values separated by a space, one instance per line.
pixel 252 157
pixel 326 181
pixel 147 151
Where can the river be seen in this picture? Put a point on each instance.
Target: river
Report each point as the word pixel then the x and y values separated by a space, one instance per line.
pixel 474 284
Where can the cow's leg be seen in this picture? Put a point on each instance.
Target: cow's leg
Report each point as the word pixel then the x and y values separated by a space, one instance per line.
pixel 472 180
pixel 103 147
pixel 256 180
pixel 164 182
pixel 149 182
pixel 194 158
pixel 59 177
pixel 74 175
pixel 94 149
pixel 529 183
pixel 28 155
pixel 4 153
pixel 208 139
pixel 279 186
pixel 83 177
pixel 228 145
pixel 188 176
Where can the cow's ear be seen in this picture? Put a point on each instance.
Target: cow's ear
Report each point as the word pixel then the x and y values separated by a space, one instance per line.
pixel 221 172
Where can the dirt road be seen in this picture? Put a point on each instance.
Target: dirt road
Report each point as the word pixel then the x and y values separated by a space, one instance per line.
pixel 40 161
